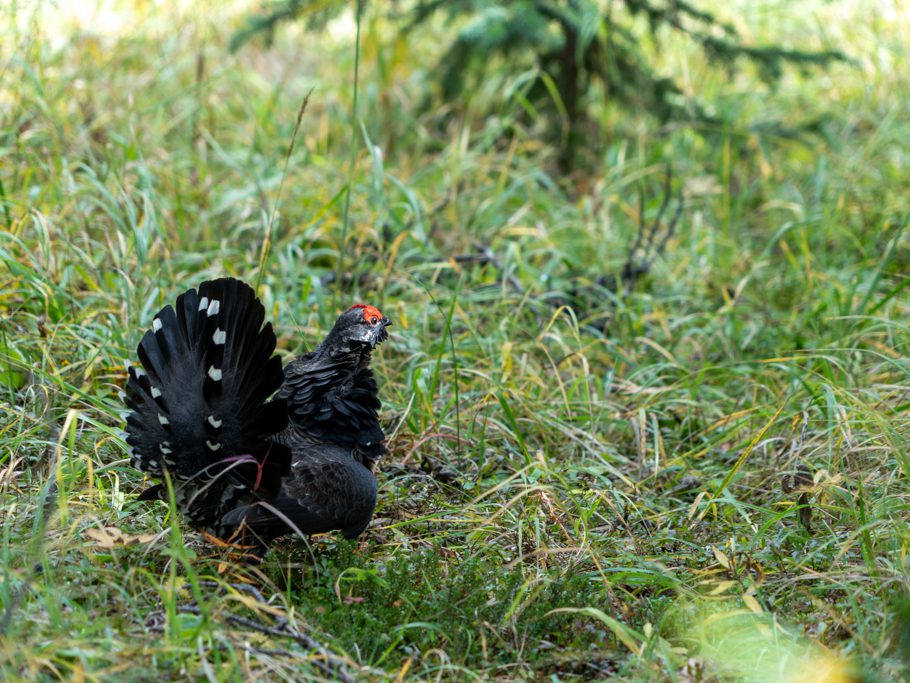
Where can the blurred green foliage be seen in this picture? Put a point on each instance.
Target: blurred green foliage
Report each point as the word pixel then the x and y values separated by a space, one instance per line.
pixel 566 47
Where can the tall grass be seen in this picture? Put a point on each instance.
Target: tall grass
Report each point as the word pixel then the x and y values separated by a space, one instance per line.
pixel 703 479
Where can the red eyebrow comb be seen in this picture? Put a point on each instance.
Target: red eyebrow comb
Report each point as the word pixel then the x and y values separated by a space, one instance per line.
pixel 369 312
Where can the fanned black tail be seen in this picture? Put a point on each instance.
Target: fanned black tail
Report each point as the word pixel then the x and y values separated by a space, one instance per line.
pixel 200 408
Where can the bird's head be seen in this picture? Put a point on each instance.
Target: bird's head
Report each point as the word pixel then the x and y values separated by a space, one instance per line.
pixel 360 327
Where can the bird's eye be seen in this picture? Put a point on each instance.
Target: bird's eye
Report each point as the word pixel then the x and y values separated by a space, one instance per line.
pixel 374 320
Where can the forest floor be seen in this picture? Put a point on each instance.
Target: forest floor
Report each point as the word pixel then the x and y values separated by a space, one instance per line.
pixel 700 477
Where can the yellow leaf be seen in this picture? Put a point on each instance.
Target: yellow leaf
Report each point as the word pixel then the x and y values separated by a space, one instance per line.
pixel 722 587
pixel 752 604
pixel 720 557
pixel 110 536
pixel 105 537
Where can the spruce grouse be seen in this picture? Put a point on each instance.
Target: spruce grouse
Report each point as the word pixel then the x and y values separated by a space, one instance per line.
pixel 246 463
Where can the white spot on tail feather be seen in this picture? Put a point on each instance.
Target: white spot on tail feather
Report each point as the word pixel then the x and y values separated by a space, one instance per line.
pixel 139 371
pixel 213 446
pixel 164 449
pixel 153 464
pixel 219 337
pixel 163 419
pixel 156 325
pixel 215 423
pixel 203 303
pixel 156 392
pixel 214 307
pixel 215 373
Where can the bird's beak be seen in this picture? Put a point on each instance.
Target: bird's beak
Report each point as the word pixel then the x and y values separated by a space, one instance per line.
pixel 378 333
pixel 374 335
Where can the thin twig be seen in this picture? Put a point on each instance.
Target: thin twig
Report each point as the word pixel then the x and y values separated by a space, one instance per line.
pixel 671 226
pixel 239 587
pixel 491 258
pixel 485 255
pixel 333 667
pixel 663 207
pixel 647 247
pixel 641 225
pixel 267 242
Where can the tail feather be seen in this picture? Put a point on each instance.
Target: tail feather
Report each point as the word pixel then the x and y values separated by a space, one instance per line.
pixel 200 402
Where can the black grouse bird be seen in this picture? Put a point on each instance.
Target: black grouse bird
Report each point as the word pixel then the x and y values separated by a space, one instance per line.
pixel 246 465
